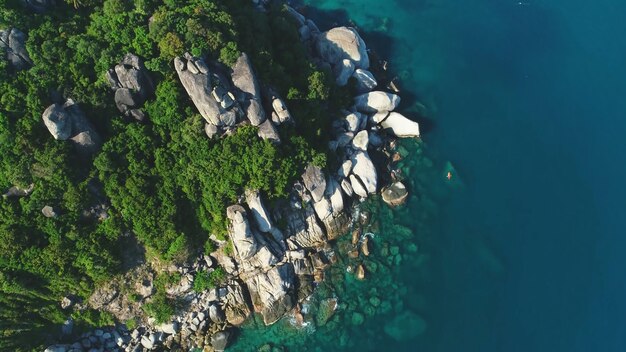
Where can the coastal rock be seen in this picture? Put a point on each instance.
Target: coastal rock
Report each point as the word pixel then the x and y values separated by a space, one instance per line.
pixel 401 126
pixel 269 132
pixel 13 45
pixel 219 340
pixel 216 314
pixel 250 95
pixel 355 122
pixel 344 72
pixel 396 194
pixel 361 141
pixel 197 80
pixel 235 305
pixel 342 43
pixel 323 209
pixel 376 101
pixel 303 229
pixel 257 208
pixel 132 85
pixel 333 192
pixel 67 121
pixel 345 169
pixel 346 186
pixel 314 181
pixel 240 232
pixel 366 171
pixel 365 80
pixel 272 292
pixel 358 187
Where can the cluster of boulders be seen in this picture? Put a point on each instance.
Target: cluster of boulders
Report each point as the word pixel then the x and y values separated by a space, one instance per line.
pixel 132 85
pixel 272 270
pixel 13 47
pixel 110 339
pixel 67 121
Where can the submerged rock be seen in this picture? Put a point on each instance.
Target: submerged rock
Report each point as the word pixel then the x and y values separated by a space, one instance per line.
pixel 396 194
pixel 219 340
pixel 405 326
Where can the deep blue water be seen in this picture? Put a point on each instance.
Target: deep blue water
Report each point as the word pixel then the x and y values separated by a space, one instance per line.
pixel 528 102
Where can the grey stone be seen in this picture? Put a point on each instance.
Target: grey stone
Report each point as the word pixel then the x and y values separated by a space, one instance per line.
pixel 257 208
pixel 269 132
pixel 396 194
pixel 272 292
pixel 67 121
pixel 199 87
pixel 219 340
pixel 342 43
pixel 314 181
pixel 240 232
pixel 245 80
pixel 366 171
pixel 13 44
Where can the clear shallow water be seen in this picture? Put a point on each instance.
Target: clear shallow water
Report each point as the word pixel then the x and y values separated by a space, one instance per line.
pixel 527 102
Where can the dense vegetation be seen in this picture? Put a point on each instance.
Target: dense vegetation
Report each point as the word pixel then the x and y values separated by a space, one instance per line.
pixel 166 183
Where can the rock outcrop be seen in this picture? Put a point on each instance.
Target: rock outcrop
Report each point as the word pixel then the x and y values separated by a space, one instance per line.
pixel 13 47
pixel 132 85
pixel 249 95
pixel 272 292
pixel 214 102
pixel 67 121
pixel 241 233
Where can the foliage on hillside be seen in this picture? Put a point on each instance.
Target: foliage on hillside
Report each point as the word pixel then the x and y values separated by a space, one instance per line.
pixel 166 183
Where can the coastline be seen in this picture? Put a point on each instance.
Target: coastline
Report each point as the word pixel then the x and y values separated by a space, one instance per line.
pixel 323 210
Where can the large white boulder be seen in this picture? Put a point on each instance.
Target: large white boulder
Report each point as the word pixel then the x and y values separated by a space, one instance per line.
pixel 400 125
pixel 376 101
pixel 365 170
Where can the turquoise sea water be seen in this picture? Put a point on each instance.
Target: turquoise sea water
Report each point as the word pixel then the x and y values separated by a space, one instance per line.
pixel 525 250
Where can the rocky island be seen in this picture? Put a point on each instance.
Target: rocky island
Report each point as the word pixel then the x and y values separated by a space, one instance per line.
pixel 211 187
